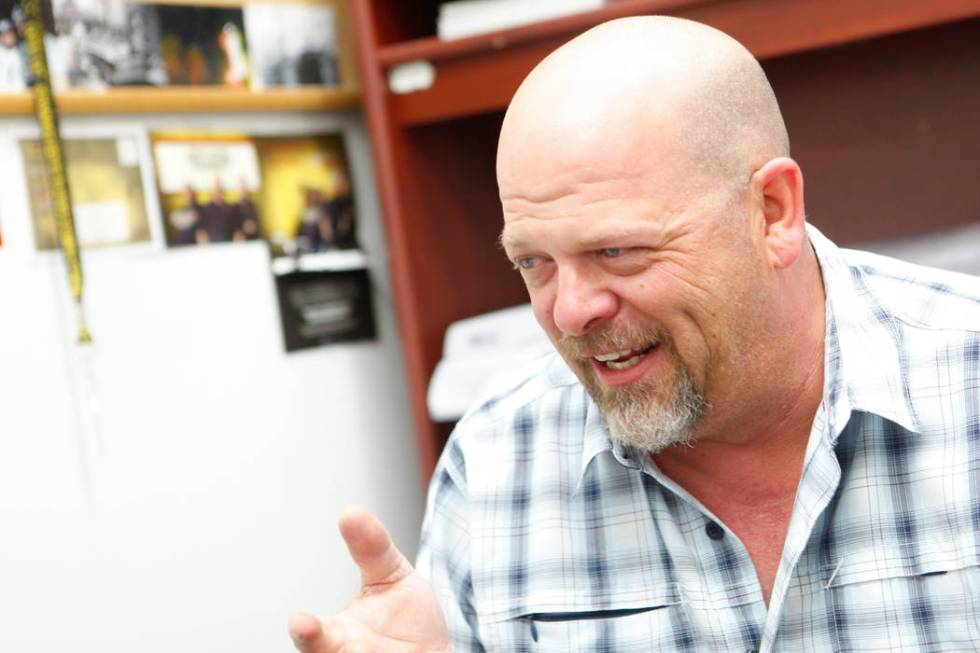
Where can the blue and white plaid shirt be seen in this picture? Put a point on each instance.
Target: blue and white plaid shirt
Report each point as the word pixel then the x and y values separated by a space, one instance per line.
pixel 543 535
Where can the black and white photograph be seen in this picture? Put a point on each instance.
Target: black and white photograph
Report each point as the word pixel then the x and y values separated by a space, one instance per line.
pixel 104 43
pixel 292 45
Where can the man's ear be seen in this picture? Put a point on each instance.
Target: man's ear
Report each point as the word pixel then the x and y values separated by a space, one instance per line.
pixel 778 185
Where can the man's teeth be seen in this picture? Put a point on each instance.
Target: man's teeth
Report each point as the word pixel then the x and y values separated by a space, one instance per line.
pixel 622 365
pixel 618 360
pixel 605 358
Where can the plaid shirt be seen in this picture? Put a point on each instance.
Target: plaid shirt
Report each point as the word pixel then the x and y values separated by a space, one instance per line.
pixel 543 535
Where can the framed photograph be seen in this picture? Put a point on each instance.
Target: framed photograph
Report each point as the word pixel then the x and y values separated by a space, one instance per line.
pixel 106 182
pixel 208 186
pixel 292 45
pixel 203 45
pixel 306 203
pixel 102 43
pixel 320 308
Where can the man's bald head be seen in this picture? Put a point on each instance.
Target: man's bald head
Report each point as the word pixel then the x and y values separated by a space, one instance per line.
pixel 641 87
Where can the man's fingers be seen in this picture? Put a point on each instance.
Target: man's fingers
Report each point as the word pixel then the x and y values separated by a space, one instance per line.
pixel 371 548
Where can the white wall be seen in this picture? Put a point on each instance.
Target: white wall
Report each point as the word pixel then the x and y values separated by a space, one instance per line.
pixel 175 486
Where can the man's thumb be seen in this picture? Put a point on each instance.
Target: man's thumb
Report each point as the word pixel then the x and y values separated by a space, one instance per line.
pixel 371 548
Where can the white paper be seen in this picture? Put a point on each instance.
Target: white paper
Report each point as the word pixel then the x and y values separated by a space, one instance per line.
pixel 483 355
pixel 411 76
pixel 463 18
pixel 127 152
pixel 101 223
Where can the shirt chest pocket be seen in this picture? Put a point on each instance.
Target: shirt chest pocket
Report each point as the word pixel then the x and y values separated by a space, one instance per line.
pixel 651 623
pixel 900 603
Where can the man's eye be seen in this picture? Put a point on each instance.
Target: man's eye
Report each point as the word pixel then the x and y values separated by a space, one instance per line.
pixel 526 262
pixel 612 252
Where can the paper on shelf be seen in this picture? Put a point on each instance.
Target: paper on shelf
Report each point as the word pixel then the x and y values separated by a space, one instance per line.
pixel 483 355
pixel 461 18
pixel 411 76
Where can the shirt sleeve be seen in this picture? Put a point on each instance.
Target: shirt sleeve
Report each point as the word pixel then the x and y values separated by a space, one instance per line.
pixel 444 550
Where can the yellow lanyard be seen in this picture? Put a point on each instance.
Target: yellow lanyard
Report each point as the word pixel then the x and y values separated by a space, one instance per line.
pixel 54 159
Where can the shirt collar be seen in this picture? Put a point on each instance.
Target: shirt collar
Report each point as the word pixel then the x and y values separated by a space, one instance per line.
pixel 863 358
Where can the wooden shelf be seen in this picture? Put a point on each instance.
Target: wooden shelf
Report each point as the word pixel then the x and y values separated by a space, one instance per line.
pixel 816 23
pixel 878 96
pixel 187 99
pixel 481 73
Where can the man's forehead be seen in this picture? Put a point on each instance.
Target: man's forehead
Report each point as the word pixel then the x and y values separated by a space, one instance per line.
pixel 592 232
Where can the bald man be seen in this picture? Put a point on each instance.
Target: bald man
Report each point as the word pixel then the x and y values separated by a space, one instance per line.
pixel 751 439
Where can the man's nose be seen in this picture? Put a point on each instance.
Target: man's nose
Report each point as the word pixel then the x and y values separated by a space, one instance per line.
pixel 582 303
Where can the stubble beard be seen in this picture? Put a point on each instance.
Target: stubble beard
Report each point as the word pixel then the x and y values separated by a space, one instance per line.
pixel 650 414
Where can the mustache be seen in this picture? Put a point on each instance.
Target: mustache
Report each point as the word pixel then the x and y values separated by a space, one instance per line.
pixel 609 340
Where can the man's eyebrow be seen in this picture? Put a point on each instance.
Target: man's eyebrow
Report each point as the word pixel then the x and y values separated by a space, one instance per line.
pixel 505 240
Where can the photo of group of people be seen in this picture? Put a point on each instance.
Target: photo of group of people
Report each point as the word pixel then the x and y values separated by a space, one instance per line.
pixel 294 192
pixel 96 44
pixel 306 194
pixel 213 218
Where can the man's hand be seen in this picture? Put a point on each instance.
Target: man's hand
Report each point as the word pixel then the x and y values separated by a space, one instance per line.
pixel 395 612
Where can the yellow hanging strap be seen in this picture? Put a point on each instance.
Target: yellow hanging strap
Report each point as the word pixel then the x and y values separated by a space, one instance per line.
pixel 54 159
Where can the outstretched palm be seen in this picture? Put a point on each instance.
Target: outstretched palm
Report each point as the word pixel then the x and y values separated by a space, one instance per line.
pixel 395 612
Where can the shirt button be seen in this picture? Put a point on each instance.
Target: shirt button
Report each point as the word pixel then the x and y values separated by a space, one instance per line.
pixel 714 531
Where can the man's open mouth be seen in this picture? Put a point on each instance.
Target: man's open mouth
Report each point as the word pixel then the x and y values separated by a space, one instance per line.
pixel 622 360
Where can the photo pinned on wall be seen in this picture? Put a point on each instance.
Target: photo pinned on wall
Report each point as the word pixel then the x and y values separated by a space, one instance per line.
pixel 14 64
pixel 306 202
pixel 105 180
pixel 208 185
pixel 325 307
pixel 102 43
pixel 203 45
pixel 292 45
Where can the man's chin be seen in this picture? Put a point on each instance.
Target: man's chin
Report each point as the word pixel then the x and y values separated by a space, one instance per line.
pixel 650 438
pixel 651 417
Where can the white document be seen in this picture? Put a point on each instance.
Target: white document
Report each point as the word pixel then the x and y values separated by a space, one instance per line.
pixel 462 18
pixel 101 223
pixel 484 355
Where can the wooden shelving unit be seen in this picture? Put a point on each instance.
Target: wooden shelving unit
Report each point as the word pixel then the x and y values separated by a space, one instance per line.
pixel 879 95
